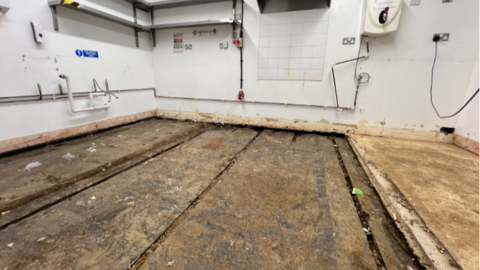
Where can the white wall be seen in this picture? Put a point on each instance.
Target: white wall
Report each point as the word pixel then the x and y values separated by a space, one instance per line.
pixel 400 66
pixel 468 123
pixel 24 63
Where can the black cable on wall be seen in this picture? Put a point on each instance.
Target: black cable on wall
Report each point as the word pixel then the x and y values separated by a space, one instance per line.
pixel 431 89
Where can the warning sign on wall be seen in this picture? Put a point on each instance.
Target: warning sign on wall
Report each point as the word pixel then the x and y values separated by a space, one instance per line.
pixel 178 42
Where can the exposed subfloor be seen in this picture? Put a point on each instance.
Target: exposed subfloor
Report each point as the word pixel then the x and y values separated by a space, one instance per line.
pixel 161 194
pixel 440 183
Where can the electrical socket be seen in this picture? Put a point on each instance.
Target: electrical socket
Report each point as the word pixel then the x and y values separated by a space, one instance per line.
pixel 348 41
pixel 443 37
pixel 414 2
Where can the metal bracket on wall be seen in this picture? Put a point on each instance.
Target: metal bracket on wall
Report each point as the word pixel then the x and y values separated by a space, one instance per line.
pixel 40 90
pixel 99 14
pixel 54 17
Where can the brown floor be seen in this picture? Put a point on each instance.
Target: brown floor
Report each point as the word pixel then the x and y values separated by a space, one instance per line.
pixel 197 197
pixel 441 182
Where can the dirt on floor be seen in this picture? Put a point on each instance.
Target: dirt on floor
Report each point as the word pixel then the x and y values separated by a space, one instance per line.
pixel 164 193
pixel 440 181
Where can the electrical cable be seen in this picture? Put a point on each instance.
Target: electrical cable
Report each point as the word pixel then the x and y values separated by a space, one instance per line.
pixel 431 91
pixel 356 66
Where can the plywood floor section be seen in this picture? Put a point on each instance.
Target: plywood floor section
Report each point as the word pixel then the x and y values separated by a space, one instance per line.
pixel 440 181
pixel 186 196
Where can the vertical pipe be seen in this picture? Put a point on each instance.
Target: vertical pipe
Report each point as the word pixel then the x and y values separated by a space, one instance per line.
pixel 241 51
pixel 234 17
pixel 154 39
pixel 356 93
pixel 335 86
pixel 70 94
pixel 135 21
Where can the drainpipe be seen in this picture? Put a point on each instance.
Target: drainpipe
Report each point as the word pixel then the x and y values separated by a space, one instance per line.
pixel 91 96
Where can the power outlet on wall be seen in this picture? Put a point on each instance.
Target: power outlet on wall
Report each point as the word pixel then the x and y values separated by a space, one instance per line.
pixel 443 37
pixel 348 41
pixel 414 2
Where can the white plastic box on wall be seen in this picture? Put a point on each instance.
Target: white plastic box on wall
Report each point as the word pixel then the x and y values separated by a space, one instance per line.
pixel 4 6
pixel 372 25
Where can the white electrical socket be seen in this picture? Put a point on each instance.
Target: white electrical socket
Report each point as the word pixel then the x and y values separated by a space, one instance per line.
pixel 37 32
pixel 4 6
pixel 223 45
pixel 414 2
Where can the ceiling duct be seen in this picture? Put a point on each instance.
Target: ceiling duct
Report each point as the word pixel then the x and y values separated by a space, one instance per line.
pixel 275 6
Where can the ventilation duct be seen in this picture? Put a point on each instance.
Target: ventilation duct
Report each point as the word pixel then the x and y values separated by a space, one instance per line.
pixel 274 6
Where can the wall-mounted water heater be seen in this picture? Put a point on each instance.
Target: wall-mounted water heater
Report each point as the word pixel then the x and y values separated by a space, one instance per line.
pixel 4 6
pixel 381 17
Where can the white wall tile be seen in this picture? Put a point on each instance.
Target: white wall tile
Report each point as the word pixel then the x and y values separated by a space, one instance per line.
pixel 287 18
pixel 309 28
pixel 296 41
pixel 272 63
pixel 309 15
pixel 264 41
pixel 275 18
pixel 285 41
pixel 291 44
pixel 273 53
pixel 318 51
pixel 295 52
pixel 313 75
pixel 284 52
pixel 272 74
pixel 306 63
pixel 262 63
pixel 274 42
pixel 294 64
pixel 286 29
pixel 294 74
pixel 283 63
pixel 321 27
pixel 297 29
pixel 317 63
pixel 275 30
pixel 320 39
pixel 264 30
pixel 297 16
pixel 283 74
pixel 307 52
pixel 307 40
pixel 265 19
pixel 263 53
pixel 263 74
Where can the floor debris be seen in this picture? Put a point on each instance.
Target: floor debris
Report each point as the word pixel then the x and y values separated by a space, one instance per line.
pixel 170 263
pixel 69 157
pixel 31 166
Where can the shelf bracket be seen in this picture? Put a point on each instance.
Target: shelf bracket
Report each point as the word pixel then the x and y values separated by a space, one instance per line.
pixel 54 17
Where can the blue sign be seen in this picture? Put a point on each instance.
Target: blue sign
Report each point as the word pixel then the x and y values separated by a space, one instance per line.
pixel 86 53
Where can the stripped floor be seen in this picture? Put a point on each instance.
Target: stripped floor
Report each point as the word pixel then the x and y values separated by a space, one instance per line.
pixel 192 196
